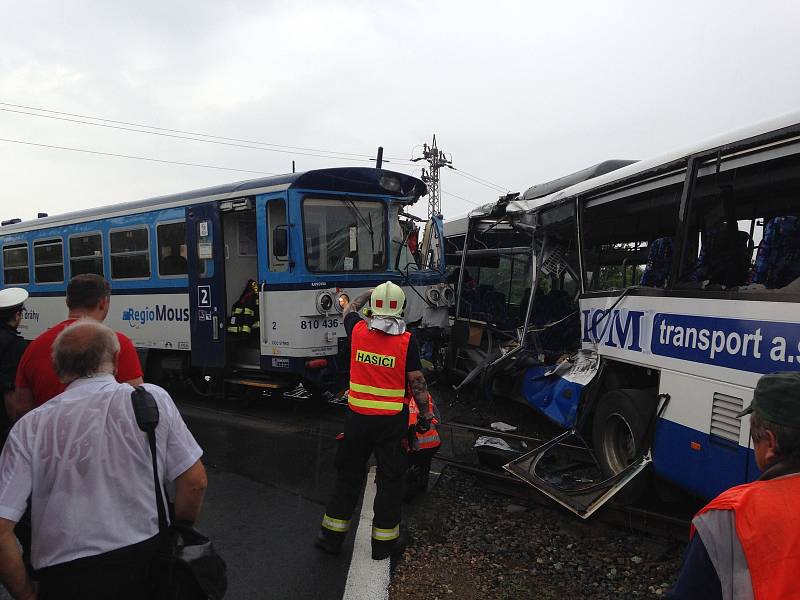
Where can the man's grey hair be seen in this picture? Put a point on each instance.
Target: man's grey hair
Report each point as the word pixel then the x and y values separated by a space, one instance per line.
pixel 787 438
pixel 85 348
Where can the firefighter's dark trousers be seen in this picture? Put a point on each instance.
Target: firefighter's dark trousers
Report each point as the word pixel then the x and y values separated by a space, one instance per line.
pixel 364 435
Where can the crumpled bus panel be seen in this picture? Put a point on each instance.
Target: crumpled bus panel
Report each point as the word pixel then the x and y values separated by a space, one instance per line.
pixel 556 390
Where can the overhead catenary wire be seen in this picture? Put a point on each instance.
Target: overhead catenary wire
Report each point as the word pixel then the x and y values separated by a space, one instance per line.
pixel 132 157
pixel 210 138
pixel 187 137
pixel 461 198
pixel 479 181
pixel 180 131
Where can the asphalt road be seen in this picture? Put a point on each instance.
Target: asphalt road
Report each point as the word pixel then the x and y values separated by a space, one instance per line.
pixel 270 473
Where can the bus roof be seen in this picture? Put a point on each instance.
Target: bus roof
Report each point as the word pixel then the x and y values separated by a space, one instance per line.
pixel 550 187
pixel 631 170
pixel 358 180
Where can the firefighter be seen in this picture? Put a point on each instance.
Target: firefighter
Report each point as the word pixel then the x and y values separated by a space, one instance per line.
pixel 244 312
pixel 385 374
pixel 422 447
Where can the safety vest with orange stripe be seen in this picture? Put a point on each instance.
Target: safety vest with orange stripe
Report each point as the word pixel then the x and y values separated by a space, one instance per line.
pixel 429 439
pixel 768 528
pixel 377 371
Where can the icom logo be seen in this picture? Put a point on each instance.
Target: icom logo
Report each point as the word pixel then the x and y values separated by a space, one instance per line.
pixel 615 329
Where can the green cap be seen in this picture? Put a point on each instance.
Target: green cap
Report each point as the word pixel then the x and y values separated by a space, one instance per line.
pixel 777 399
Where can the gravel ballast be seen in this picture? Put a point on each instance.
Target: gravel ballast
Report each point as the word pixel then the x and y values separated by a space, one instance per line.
pixel 468 542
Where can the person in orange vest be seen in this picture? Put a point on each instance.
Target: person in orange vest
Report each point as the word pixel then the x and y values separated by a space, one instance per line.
pixel 422 447
pixel 746 542
pixel 385 374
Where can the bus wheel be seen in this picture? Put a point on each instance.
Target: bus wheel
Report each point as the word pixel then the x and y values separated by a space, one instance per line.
pixel 618 435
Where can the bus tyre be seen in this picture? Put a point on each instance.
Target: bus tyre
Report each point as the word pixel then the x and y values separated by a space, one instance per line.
pixel 618 435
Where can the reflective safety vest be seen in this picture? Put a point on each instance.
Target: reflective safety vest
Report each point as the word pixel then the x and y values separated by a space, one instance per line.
pixel 429 439
pixel 377 371
pixel 768 528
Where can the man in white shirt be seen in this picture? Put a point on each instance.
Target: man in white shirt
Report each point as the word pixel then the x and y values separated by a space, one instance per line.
pixel 86 466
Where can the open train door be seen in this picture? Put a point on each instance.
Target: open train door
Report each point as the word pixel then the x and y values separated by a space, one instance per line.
pixel 207 301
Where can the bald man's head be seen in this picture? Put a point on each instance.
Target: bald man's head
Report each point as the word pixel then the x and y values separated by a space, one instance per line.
pixel 85 348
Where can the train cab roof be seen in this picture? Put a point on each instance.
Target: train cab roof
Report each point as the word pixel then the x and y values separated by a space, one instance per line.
pixel 355 180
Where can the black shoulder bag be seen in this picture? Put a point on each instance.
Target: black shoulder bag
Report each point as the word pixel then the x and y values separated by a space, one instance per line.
pixel 187 566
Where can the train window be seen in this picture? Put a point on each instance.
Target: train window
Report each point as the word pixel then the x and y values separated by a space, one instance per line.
pixel 15 264
pixel 628 240
pixel 130 253
pixel 48 261
pixel 276 217
pixel 86 254
pixel 344 235
pixel 171 249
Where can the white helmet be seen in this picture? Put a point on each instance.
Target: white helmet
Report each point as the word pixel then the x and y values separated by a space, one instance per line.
pixel 387 300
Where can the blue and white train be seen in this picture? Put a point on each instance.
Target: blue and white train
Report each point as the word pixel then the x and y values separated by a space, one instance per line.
pixel 636 304
pixel 177 263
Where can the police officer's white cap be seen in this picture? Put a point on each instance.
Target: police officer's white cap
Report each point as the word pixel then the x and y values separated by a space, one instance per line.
pixel 11 297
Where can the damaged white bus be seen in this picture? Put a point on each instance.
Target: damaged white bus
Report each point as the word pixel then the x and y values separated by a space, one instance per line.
pixel 636 305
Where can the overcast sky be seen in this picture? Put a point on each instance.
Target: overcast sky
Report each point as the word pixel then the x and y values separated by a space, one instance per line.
pixel 517 92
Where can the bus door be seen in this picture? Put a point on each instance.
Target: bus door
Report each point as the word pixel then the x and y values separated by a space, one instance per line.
pixel 207 301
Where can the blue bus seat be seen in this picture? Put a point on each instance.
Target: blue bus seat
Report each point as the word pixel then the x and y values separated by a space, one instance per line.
pixel 659 261
pixel 778 258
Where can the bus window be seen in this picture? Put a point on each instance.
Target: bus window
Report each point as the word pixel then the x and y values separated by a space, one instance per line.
pixel 276 218
pixel 86 254
pixel 171 249
pixel 15 264
pixel 130 253
pixel 48 261
pixel 627 241
pixel 344 235
pixel 744 226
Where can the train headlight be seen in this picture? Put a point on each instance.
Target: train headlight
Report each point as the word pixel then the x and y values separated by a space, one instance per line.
pixel 449 296
pixel 324 302
pixel 434 296
pixel 342 301
pixel 389 183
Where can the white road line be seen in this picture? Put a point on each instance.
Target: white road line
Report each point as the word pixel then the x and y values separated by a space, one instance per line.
pixel 367 579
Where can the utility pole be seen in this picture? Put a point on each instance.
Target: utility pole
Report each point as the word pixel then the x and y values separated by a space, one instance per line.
pixel 436 159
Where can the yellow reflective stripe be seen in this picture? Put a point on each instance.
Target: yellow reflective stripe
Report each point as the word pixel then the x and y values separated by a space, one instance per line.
pixel 376 391
pixel 386 535
pixel 338 525
pixel 233 329
pixel 381 404
pixel 249 311
pixel 245 328
pixel 237 311
pixel 257 324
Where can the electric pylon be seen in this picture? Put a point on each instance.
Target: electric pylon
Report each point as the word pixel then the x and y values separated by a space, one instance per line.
pixel 436 159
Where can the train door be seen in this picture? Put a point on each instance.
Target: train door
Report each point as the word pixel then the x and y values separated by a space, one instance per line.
pixel 241 250
pixel 274 264
pixel 207 294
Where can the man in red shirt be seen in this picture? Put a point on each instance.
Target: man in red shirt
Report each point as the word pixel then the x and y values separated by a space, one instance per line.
pixel 88 296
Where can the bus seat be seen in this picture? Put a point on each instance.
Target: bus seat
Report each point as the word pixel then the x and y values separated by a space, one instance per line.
pixel 724 258
pixel 659 261
pixel 778 258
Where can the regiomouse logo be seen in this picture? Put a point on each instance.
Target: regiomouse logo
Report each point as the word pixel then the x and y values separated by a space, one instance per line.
pixel 136 317
pixel 616 329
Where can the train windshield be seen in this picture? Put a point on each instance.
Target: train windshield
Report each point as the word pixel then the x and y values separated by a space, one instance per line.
pixel 416 245
pixel 344 235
